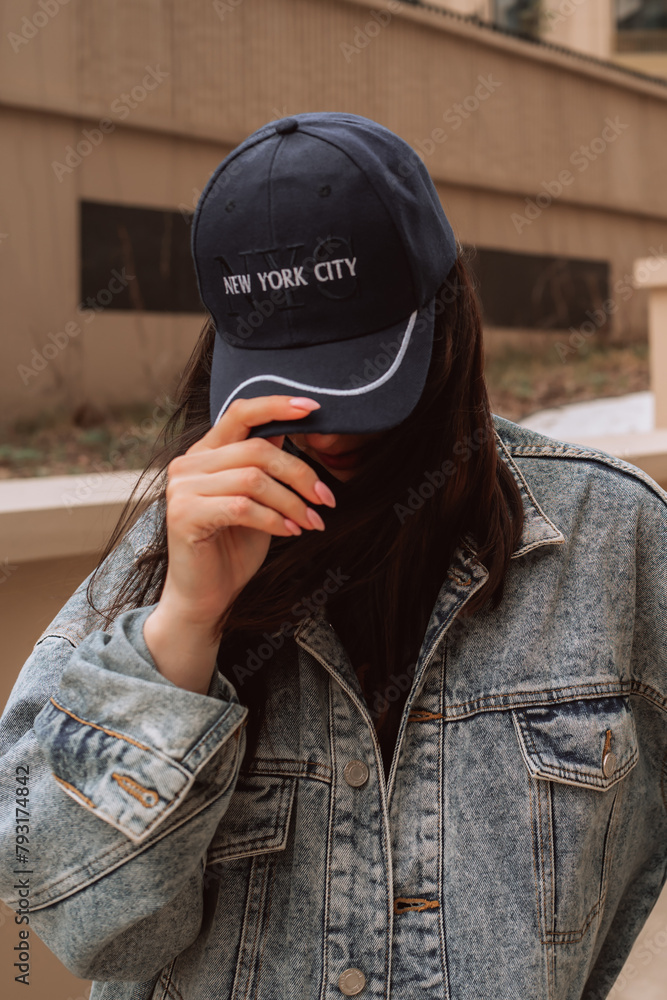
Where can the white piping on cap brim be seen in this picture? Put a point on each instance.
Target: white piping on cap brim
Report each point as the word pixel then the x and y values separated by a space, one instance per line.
pixel 332 392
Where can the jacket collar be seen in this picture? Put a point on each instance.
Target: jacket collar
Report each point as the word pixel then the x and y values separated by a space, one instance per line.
pixel 538 529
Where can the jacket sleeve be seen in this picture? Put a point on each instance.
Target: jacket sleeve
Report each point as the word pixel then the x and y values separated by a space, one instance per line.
pixel 117 780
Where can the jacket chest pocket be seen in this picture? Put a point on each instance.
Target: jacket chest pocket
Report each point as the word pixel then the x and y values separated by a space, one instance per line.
pixel 577 755
pixel 257 819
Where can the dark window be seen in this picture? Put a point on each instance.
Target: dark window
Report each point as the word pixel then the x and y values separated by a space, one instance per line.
pixel 151 244
pixel 539 292
pixel 519 16
pixel 641 25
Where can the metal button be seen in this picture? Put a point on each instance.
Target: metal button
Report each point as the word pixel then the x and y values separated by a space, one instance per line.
pixel 356 773
pixel 609 764
pixel 351 982
pixel 286 125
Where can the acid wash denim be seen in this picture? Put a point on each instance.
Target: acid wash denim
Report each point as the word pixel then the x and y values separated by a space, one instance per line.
pixel 515 851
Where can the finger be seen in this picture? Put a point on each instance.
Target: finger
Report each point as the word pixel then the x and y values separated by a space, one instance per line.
pixel 243 414
pixel 251 482
pixel 282 465
pixel 217 513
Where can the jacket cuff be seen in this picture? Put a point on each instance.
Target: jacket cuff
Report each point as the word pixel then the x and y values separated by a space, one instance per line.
pixel 123 740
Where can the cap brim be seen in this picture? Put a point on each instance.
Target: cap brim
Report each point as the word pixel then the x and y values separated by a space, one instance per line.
pixel 365 384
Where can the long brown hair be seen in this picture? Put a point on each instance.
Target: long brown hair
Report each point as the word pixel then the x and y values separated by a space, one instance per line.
pixel 390 538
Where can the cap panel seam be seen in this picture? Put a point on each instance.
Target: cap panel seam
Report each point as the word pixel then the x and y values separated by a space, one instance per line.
pixel 382 203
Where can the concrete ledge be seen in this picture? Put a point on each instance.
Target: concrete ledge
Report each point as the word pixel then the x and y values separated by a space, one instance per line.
pixel 53 516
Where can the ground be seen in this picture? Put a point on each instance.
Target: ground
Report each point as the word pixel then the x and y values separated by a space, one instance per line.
pixel 519 383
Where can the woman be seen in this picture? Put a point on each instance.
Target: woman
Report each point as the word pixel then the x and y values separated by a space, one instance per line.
pixel 453 672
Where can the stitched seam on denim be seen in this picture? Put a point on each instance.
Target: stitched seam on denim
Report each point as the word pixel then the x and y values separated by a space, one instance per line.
pixel 61 781
pixel 265 934
pixel 650 693
pixel 610 841
pixel 523 483
pixel 246 949
pixel 160 818
pixel 133 787
pixel 301 775
pixel 502 702
pixel 548 911
pixel 165 978
pixel 126 854
pixel 442 737
pixel 207 744
pixel 94 725
pixel 287 760
pixel 533 838
pixel 279 823
pixel 593 455
pixel 549 770
pixel 172 990
pixel 663 781
pixel 330 828
pixel 574 937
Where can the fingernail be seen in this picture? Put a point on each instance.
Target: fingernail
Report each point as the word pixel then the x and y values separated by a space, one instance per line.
pixel 292 526
pixel 304 404
pixel 315 518
pixel 324 493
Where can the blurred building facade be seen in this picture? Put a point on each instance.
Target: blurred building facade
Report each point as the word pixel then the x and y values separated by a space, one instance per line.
pixel 115 114
pixel 632 33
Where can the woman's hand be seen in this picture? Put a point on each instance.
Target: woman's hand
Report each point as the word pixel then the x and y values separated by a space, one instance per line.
pixel 225 499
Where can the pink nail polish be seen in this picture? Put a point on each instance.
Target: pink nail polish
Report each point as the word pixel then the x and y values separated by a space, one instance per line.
pixel 315 518
pixel 304 404
pixel 324 493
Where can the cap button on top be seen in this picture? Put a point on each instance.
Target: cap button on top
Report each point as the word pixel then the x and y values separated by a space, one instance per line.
pixel 287 125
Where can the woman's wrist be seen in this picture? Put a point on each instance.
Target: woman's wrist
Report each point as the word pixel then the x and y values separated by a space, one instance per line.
pixel 183 651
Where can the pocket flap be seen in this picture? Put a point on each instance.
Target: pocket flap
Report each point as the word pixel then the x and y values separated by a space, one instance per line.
pixel 591 742
pixel 257 818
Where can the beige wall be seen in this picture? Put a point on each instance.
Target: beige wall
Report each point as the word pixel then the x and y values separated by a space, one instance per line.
pixel 585 25
pixel 262 59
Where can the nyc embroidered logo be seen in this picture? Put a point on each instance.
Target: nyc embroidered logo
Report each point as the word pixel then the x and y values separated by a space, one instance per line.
pixel 282 274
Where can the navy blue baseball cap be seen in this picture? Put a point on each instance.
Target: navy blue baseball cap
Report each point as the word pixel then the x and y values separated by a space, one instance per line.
pixel 319 244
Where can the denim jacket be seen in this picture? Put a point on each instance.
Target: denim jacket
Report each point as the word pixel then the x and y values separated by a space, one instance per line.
pixel 515 851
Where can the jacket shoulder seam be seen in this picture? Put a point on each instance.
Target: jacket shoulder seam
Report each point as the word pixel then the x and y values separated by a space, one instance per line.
pixel 572 452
